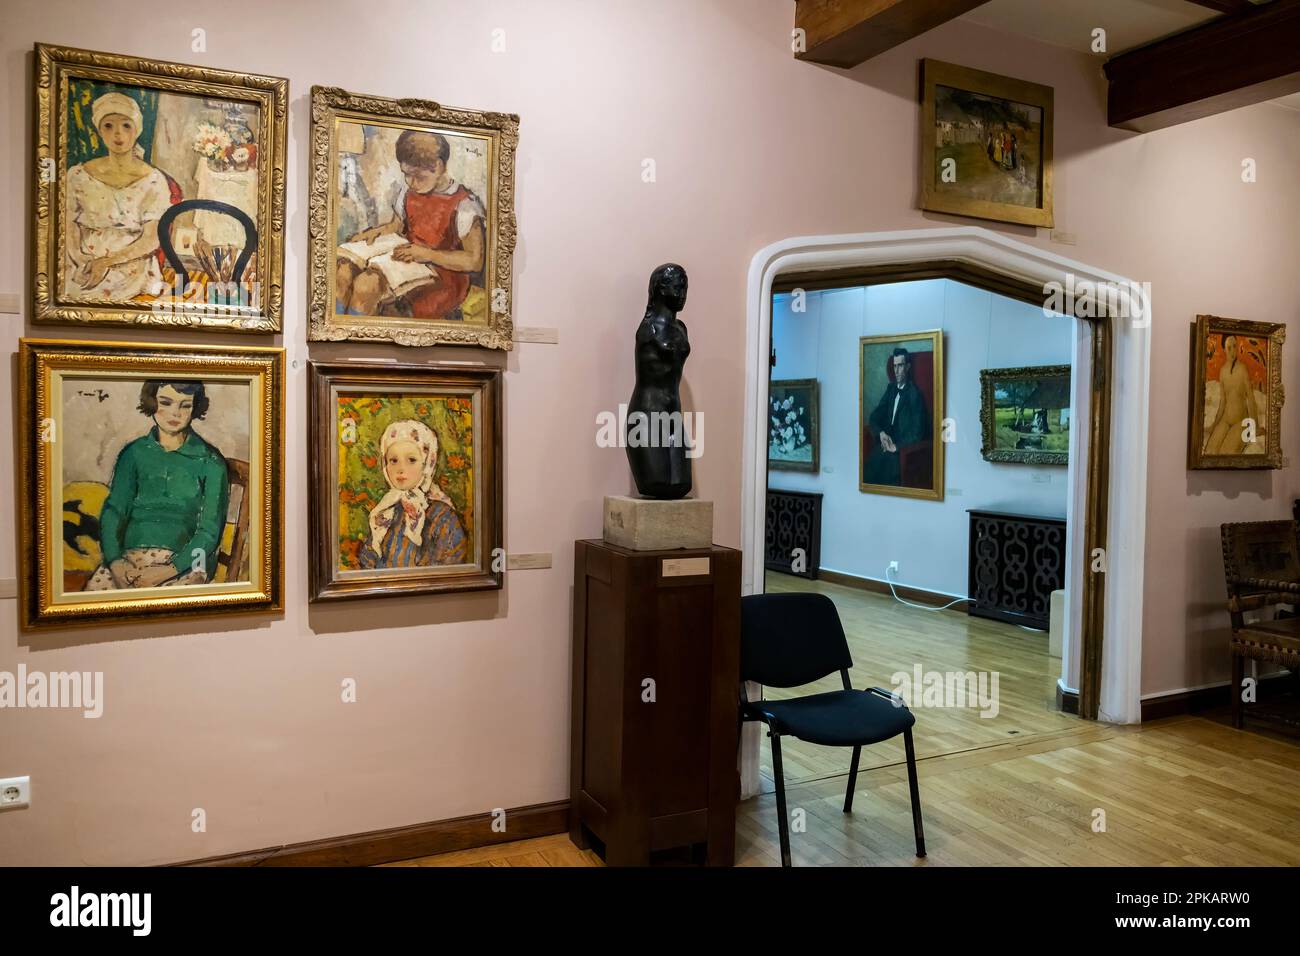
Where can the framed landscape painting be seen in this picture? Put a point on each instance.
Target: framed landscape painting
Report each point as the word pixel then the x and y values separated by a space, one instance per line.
pixel 159 193
pixel 792 425
pixel 406 463
pixel 986 145
pixel 154 481
pixel 412 221
pixel 1025 414
pixel 900 404
pixel 1236 394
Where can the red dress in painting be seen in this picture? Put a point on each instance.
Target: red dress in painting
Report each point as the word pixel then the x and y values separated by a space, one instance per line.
pixel 431 221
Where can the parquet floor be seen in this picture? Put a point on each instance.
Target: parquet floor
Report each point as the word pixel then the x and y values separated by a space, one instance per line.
pixel 886 637
pixel 1185 791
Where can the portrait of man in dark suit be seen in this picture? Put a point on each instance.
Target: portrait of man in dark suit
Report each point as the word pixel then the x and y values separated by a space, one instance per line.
pixel 899 419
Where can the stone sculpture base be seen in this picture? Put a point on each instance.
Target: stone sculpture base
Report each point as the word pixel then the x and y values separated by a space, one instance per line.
pixel 647 524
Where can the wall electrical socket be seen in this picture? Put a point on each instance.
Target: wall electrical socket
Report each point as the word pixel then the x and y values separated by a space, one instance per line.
pixel 893 566
pixel 1042 478
pixel 15 793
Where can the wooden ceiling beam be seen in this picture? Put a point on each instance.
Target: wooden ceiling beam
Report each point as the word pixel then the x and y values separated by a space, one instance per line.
pixel 1230 61
pixel 1224 6
pixel 844 33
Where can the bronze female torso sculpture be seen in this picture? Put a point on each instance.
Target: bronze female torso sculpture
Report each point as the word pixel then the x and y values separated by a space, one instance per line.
pixel 660 466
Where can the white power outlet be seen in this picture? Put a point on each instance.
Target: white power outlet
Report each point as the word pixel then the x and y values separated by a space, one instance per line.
pixel 15 793
pixel 893 566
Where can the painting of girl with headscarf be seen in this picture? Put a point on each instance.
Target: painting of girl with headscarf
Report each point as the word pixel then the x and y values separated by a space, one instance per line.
pixel 132 154
pixel 415 524
pixel 406 482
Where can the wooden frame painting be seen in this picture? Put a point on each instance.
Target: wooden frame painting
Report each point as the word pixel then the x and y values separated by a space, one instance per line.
pixel 159 193
pixel 1025 414
pixel 1236 394
pixel 900 408
pixel 412 221
pixel 153 481
pixel 793 421
pixel 986 145
pixel 406 472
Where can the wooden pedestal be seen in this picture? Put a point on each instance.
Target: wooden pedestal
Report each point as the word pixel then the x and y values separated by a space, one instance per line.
pixel 654 764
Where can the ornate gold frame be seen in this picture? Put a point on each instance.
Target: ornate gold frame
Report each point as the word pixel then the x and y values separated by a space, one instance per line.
pixel 935 491
pixel 328 105
pixel 38 358
pixel 937 73
pixel 988 418
pixel 1275 333
pixel 323 379
pixel 270 94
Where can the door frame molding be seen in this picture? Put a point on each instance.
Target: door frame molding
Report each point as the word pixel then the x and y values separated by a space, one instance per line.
pixel 1112 363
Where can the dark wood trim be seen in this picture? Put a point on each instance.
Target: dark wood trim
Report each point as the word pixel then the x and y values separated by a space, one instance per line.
pixel 1067 701
pixel 1096 513
pixel 844 33
pixel 405 843
pixel 1231 61
pixel 1202 699
pixel 882 587
pixel 955 269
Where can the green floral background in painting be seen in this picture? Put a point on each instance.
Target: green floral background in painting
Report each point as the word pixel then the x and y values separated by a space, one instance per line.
pixel 361 477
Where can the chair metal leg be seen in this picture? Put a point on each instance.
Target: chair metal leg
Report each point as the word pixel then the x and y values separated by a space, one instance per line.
pixel 1238 674
pixel 853 780
pixel 783 821
pixel 916 794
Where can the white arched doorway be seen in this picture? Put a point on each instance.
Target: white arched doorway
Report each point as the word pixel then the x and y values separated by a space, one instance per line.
pixel 1124 505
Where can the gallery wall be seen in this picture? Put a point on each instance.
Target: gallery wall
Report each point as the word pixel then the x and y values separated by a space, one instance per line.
pixel 463 702
pixel 862 533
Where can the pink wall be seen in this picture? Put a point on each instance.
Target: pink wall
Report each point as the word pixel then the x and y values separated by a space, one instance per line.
pixel 463 701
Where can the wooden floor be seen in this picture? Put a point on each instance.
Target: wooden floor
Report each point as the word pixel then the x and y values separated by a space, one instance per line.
pixel 885 637
pixel 1185 791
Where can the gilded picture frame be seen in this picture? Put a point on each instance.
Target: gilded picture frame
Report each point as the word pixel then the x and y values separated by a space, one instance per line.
pixel 195 155
pixel 382 174
pixel 376 530
pixel 1241 360
pixel 914 466
pixel 128 449
pixel 986 145
pixel 1025 415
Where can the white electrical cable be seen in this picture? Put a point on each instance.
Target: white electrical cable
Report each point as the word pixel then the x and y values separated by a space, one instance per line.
pixel 919 607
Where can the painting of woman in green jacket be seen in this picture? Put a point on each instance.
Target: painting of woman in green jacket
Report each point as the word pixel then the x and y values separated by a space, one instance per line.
pixel 162 522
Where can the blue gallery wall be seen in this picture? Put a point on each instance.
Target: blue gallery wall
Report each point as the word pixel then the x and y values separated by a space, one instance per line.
pixel 862 533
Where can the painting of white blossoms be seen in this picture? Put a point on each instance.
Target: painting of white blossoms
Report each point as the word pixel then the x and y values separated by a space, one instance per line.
pixel 792 425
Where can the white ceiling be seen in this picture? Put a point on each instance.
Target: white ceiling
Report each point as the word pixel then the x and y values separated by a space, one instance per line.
pixel 1069 23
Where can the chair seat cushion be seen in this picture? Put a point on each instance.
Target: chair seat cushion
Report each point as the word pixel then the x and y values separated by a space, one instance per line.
pixel 1283 632
pixel 841 718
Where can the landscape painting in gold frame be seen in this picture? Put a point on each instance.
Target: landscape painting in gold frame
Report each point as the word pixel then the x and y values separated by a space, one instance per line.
pixel 153 481
pixel 412 221
pixel 986 145
pixel 159 193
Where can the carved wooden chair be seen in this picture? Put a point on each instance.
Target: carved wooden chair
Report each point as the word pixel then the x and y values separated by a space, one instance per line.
pixel 1261 562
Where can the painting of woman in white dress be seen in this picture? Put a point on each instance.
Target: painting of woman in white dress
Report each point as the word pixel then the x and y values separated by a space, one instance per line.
pixel 159 193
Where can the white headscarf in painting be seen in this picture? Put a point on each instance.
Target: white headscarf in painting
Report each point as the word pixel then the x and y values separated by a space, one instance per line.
pixel 121 105
pixel 414 501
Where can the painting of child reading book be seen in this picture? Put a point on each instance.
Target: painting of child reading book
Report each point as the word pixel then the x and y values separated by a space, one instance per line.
pixel 412 227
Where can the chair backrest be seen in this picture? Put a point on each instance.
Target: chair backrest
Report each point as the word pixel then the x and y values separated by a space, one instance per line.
pixel 236 561
pixel 209 205
pixel 1256 556
pixel 790 639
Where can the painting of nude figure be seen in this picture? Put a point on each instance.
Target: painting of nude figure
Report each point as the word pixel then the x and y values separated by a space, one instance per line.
pixel 414 245
pixel 1236 400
